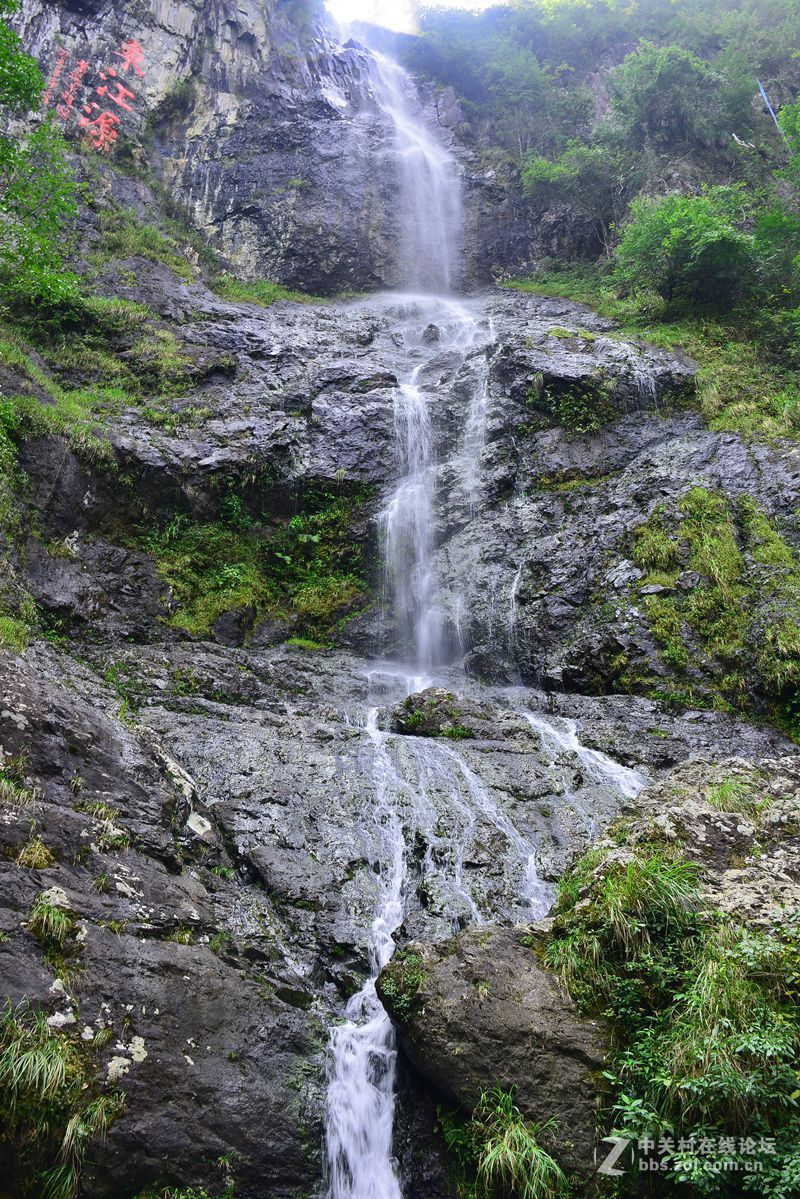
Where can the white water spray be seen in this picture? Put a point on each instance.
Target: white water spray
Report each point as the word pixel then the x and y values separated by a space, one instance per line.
pixel 361 1086
pixel 598 766
pixel 429 199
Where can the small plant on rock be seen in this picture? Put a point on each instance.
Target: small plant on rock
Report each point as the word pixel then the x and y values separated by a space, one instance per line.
pixel 511 1158
pixel 51 924
pixel 34 855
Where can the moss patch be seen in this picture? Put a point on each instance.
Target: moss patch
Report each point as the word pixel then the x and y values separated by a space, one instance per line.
pixel 306 570
pixel 727 617
pixel 258 291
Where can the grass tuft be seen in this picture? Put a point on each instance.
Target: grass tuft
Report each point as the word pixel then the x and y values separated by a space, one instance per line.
pixel 34 855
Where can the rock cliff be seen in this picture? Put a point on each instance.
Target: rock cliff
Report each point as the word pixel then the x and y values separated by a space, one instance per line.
pixel 210 737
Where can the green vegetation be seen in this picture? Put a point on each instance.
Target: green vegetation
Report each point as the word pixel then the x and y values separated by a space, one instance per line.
pixel 596 181
pixel 181 936
pixel 499 1153
pixel 38 192
pixel 704 1014
pixel 740 620
pixel 306 569
pixel 259 291
pixel 401 982
pixel 670 168
pixel 687 247
pixel 743 386
pixel 52 925
pixel 434 716
pixel 34 854
pixel 740 795
pixel 14 792
pixel 123 235
pixel 521 72
pixel 51 1107
pixel 582 407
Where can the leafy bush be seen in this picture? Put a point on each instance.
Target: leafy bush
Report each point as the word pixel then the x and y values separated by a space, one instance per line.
pixel 596 180
pixel 38 191
pixel 38 198
pixel 688 247
pixel 667 95
pixel 21 81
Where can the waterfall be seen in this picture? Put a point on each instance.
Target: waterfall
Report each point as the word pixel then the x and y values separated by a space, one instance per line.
pixel 408 518
pixel 407 525
pixel 425 792
pixel 361 1086
pixel 429 199
pixel 596 764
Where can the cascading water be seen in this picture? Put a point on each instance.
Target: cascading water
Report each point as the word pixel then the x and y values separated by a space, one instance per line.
pixel 425 791
pixel 361 1088
pixel 407 523
pixel 429 200
pixel 408 518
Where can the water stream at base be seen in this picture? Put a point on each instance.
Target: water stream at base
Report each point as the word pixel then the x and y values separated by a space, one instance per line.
pixel 415 778
pixel 361 1088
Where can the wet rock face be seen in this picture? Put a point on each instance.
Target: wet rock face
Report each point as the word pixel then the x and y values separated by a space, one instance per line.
pixel 478 1012
pixel 212 1042
pixel 264 126
pixel 210 807
pixel 739 820
pixel 220 861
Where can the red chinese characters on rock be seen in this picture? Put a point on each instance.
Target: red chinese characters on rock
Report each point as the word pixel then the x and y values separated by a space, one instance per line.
pixel 132 57
pixel 58 69
pixel 103 109
pixel 66 100
pixel 102 131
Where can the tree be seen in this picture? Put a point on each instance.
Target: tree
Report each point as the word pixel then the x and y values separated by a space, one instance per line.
pixel 21 80
pixel 667 95
pixel 689 247
pixel 789 121
pixel 37 199
pixel 38 192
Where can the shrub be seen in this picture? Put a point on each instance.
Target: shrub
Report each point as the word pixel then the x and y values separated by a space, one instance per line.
pixel 667 95
pixel 705 1016
pixel 688 248
pixel 597 181
pixel 21 81
pixel 38 198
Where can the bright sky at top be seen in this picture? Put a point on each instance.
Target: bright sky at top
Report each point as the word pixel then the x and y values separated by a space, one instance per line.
pixel 392 14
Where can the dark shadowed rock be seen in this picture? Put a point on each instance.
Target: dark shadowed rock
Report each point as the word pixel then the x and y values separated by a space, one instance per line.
pixel 478 1011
